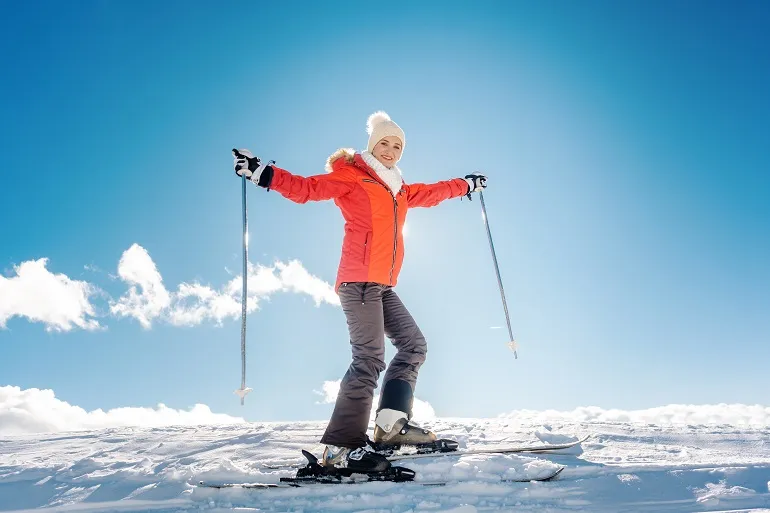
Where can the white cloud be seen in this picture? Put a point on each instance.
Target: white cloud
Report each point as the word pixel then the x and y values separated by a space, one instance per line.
pixel 329 391
pixel 62 303
pixel 193 303
pixel 421 410
pixel 719 414
pixel 42 296
pixel 295 278
pixel 146 297
pixel 39 411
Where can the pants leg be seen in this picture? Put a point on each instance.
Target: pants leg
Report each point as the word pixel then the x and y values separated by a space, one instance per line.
pixel 401 376
pixel 363 308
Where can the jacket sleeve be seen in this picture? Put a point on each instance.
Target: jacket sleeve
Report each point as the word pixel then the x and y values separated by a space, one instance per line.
pixel 300 189
pixel 430 195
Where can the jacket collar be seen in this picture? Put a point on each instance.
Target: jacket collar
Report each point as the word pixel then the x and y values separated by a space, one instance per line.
pixel 360 163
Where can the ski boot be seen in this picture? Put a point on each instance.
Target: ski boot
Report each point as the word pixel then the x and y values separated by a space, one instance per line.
pixel 363 460
pixel 393 427
pixel 395 434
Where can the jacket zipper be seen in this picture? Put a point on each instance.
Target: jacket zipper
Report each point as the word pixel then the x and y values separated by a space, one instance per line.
pixel 395 236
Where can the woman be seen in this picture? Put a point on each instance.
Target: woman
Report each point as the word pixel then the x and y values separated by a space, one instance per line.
pixel 369 190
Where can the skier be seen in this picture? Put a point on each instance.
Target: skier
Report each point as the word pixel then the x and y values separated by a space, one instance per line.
pixel 369 190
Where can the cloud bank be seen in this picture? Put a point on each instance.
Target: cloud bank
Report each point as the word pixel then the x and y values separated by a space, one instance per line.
pixel 39 411
pixel 685 414
pixel 39 295
pixel 63 304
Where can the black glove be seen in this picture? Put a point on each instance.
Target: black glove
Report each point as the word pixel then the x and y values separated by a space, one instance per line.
pixel 476 182
pixel 252 168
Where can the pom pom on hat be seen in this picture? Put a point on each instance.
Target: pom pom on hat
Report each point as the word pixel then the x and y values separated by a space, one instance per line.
pixel 375 119
pixel 379 125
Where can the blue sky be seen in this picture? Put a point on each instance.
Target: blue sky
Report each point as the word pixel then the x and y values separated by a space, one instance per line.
pixel 626 149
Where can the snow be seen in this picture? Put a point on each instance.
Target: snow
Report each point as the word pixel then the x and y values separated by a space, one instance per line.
pixel 687 459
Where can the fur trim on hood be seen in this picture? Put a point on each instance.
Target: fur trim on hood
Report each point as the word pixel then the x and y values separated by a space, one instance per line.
pixel 347 153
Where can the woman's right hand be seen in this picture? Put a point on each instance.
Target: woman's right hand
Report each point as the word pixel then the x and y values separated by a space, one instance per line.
pixel 245 163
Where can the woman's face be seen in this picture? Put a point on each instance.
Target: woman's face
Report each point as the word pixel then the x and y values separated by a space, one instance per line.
pixel 388 150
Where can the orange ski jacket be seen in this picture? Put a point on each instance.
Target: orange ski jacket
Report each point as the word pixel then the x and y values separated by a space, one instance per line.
pixel 373 245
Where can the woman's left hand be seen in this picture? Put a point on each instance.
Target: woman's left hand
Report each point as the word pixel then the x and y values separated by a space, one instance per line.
pixel 476 182
pixel 253 168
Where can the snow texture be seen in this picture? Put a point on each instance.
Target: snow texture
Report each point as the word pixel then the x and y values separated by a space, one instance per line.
pixel 687 459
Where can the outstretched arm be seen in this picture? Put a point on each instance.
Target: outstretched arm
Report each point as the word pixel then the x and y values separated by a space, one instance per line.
pixel 300 189
pixel 430 195
pixel 297 188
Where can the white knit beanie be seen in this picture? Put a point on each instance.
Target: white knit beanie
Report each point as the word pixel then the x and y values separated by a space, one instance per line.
pixel 380 125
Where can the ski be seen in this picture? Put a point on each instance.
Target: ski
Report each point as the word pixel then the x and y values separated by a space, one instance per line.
pixel 204 484
pixel 490 450
pixel 289 482
pixel 547 477
pixel 315 474
pixel 394 474
pixel 446 447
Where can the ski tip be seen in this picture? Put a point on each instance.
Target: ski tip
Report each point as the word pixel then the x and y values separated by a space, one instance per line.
pixel 548 477
pixel 555 474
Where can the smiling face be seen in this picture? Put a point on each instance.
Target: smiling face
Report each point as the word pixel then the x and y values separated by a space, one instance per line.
pixel 388 150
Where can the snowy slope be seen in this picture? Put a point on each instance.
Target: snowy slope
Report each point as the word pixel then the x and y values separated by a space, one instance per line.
pixel 630 463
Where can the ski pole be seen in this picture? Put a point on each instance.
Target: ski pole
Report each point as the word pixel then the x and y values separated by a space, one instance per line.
pixel 512 343
pixel 244 389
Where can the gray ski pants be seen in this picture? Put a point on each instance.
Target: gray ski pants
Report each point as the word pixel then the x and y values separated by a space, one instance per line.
pixel 372 311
